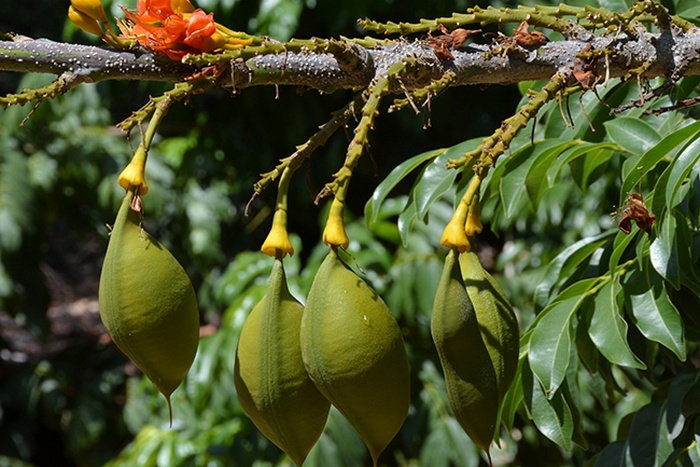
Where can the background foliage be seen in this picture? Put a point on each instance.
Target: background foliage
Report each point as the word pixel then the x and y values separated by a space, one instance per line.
pixel 609 321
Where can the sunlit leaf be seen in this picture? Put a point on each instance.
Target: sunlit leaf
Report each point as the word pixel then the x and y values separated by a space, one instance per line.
pixel 646 163
pixel 679 170
pixel 551 415
pixel 608 329
pixel 512 185
pixel 397 174
pixel 654 314
pixel 537 173
pixel 565 262
pixel 664 252
pixel 634 135
pixel 550 342
pixel 433 183
pixel 605 149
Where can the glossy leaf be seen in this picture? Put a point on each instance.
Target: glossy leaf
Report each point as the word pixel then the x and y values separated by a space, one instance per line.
pixel 406 220
pixel 605 149
pixel 679 170
pixel 653 313
pixel 620 245
pixel 664 252
pixel 435 180
pixel 646 163
pixel 537 173
pixel 565 262
pixel 550 342
pixel 608 329
pixel 551 415
pixel 634 135
pixel 645 435
pixel 399 172
pixel 512 187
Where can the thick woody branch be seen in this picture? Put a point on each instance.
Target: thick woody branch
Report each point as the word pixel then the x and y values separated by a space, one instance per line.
pixel 647 55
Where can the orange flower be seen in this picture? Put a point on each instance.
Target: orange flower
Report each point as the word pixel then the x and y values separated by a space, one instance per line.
pixel 171 27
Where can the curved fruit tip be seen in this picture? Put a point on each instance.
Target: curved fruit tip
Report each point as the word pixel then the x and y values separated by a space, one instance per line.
pixel 170 409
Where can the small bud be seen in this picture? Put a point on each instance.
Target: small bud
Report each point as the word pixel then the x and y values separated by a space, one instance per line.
pixel 334 234
pixel 133 174
pixel 91 8
pixel 181 6
pixel 277 241
pixel 84 22
pixel 454 235
pixel 473 225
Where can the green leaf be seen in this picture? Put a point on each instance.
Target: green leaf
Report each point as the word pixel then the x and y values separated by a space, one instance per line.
pixel 608 330
pixel 616 5
pixel 435 180
pixel 564 263
pixel 688 9
pixel 640 167
pixel 406 219
pixel 632 134
pixel 604 149
pixel 551 415
pixel 612 455
pixel 537 173
pixel 620 245
pixel 644 435
pixel 679 170
pixel 249 267
pixel 550 341
pixel 512 183
pixel 399 172
pixel 664 252
pixel 514 397
pixel 652 311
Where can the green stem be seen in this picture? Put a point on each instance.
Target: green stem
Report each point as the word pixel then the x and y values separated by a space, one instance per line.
pixel 493 146
pixel 133 175
pixel 304 151
pixel 179 92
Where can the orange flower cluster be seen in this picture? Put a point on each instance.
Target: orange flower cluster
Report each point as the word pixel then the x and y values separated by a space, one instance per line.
pixel 172 27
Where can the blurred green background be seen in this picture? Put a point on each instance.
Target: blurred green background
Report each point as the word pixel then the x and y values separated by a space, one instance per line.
pixel 68 397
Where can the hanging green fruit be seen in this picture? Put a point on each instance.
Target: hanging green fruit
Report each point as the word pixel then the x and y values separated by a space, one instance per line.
pixel 271 381
pixel 472 386
pixel 497 321
pixel 354 352
pixel 147 302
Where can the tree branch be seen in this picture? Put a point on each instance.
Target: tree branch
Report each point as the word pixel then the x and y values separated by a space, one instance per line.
pixel 647 55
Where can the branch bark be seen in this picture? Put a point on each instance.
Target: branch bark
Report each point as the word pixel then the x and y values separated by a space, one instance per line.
pixel 651 55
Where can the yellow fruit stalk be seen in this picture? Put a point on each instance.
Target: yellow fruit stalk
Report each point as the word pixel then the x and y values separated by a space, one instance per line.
pixel 147 303
pixel 354 352
pixel 271 382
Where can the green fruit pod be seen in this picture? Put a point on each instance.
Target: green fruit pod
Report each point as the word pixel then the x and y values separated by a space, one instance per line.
pixel 354 352
pixel 497 321
pixel 271 381
pixel 147 303
pixel 470 377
